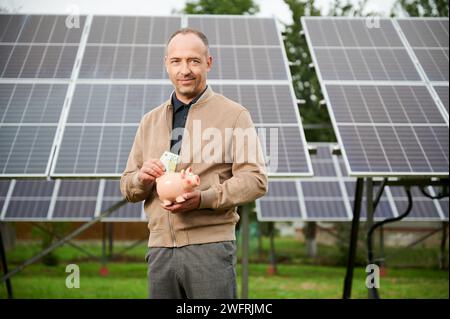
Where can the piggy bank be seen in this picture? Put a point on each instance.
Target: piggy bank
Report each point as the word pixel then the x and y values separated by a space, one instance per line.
pixel 171 186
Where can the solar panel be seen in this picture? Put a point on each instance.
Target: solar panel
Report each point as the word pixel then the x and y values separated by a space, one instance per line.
pixel 64 200
pixel 115 103
pixel 384 112
pixel 329 197
pixel 266 103
pixel 111 94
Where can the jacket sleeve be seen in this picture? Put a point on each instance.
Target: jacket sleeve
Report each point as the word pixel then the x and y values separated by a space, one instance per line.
pixel 249 175
pixel 131 188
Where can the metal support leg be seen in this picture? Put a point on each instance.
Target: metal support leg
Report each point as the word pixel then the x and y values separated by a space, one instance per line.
pixel 5 266
pixel 353 239
pixel 443 255
pixel 372 292
pixel 111 240
pixel 273 262
pixel 104 257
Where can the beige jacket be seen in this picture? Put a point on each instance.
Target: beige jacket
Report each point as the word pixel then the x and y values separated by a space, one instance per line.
pixel 224 185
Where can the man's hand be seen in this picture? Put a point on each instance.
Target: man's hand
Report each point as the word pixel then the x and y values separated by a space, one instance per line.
pixel 150 170
pixel 192 202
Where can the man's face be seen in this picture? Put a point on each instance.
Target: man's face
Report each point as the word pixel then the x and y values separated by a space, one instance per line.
pixel 187 63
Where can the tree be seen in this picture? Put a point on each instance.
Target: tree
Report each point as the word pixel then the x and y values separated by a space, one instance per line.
pixel 305 82
pixel 421 8
pixel 221 7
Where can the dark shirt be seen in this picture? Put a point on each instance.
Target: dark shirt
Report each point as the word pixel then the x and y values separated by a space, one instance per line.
pixel 180 113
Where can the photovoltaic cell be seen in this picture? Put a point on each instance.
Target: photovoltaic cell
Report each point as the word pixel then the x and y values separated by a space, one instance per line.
pixel 383 104
pixel 283 150
pixel 31 103
pixel 353 33
pixel 266 103
pixel 425 32
pixel 30 200
pixel 326 209
pixel 321 189
pixel 39 29
pixel 323 169
pixel 282 189
pixel 123 62
pixel 434 62
pixel 280 203
pixel 115 103
pixel 132 29
pixel 247 63
pixel 285 210
pixel 37 61
pixel 237 31
pixel 76 200
pixel 423 207
pixel 87 150
pixel 365 64
pixel 25 149
pixel 402 149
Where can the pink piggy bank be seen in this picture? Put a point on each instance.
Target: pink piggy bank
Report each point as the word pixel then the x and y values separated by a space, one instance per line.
pixel 172 186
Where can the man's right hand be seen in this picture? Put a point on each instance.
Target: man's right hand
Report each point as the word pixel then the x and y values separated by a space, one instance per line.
pixel 150 170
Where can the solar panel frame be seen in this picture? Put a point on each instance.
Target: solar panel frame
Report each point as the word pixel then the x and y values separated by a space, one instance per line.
pixel 422 81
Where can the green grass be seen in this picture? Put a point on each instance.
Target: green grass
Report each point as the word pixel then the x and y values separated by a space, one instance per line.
pixel 298 276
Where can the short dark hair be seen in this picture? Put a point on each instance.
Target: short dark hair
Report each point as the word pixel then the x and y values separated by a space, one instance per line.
pixel 198 33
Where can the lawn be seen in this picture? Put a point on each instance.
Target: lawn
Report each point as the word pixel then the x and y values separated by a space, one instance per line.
pixel 297 277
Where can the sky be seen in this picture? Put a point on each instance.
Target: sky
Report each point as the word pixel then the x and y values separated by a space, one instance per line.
pixel 268 8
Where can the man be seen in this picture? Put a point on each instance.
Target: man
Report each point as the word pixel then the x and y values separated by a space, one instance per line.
pixel 192 250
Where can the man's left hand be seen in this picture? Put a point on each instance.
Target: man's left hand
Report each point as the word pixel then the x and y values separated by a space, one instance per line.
pixel 192 201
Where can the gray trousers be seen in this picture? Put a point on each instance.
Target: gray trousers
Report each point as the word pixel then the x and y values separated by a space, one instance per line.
pixel 194 271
